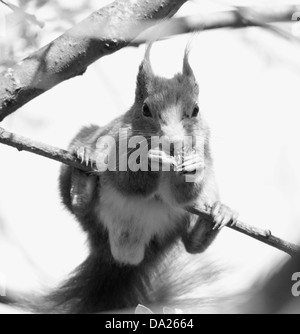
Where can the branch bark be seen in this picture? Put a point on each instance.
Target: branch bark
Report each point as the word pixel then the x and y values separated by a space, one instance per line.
pixel 25 144
pixel 264 236
pixel 105 31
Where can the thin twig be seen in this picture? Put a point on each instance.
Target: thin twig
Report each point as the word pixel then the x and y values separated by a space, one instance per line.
pixel 31 18
pixel 25 144
pixel 254 18
pixel 241 17
pixel 264 236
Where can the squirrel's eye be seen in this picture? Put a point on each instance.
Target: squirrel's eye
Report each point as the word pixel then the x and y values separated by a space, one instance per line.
pixel 146 110
pixel 196 111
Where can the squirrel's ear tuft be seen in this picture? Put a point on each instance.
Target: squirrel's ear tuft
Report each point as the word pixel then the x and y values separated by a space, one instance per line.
pixel 145 75
pixel 147 53
pixel 187 70
pixel 146 68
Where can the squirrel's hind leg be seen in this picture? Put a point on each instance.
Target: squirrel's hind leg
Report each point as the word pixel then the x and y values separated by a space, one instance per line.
pixel 82 190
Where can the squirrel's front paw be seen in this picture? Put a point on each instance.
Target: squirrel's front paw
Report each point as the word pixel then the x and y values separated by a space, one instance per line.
pixel 191 164
pixel 160 161
pixel 223 215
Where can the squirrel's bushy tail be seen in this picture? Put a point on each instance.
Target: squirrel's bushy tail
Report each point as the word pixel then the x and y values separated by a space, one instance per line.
pixel 95 286
pixel 105 286
pixel 98 286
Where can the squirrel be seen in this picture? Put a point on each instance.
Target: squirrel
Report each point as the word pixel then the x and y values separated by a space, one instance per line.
pixel 133 217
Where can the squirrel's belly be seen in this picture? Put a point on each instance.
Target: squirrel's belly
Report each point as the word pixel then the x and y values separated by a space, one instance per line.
pixel 144 217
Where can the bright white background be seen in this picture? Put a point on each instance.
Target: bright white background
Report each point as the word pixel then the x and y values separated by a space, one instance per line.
pixel 249 83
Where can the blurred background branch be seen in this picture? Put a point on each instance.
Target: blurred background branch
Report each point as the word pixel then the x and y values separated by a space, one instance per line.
pixel 240 17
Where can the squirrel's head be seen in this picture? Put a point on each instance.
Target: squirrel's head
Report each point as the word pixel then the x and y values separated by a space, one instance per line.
pixel 168 107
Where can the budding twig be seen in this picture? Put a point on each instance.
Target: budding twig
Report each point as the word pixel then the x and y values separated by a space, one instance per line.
pixel 25 144
pixel 264 236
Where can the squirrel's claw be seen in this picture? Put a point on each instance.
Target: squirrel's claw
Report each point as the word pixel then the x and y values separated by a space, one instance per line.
pixel 190 165
pixel 83 155
pixel 223 216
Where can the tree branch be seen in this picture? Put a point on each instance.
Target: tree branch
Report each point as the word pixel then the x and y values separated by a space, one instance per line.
pixel 105 31
pixel 264 236
pixel 25 144
pixel 108 30
pixel 241 17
